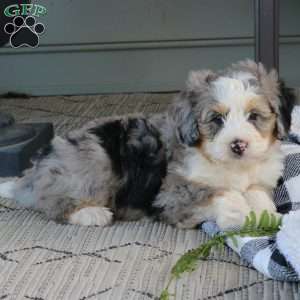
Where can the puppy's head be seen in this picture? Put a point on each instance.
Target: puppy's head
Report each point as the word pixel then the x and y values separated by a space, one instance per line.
pixel 233 115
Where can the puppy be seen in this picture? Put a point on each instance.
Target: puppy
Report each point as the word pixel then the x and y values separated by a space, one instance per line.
pixel 214 155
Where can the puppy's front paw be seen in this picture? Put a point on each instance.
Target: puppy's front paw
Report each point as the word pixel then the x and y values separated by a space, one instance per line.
pixel 259 200
pixel 93 215
pixel 231 210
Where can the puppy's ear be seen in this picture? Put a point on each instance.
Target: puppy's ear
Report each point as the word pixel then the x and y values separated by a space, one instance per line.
pixel 182 111
pixel 287 101
pixel 199 81
pixel 280 98
pixel 183 120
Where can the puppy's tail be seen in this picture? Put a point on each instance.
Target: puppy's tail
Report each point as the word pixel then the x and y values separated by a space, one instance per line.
pixel 7 189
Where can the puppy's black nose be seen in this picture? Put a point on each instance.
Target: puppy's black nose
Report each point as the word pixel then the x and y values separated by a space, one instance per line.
pixel 238 147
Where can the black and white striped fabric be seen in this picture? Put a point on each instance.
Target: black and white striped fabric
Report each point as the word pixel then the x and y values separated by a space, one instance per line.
pixel 263 252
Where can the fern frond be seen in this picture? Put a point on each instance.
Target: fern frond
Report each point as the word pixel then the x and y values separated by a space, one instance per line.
pixel 268 224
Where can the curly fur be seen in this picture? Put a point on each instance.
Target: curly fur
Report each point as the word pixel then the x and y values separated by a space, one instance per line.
pixel 177 166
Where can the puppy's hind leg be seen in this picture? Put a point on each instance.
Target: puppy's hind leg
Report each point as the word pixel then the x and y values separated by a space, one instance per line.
pixel 66 210
pixel 88 213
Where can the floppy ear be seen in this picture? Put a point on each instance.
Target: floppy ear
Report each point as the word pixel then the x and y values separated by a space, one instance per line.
pixel 288 100
pixel 199 81
pixel 280 98
pixel 182 111
pixel 184 120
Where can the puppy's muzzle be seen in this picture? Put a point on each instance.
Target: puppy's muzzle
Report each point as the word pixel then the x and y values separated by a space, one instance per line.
pixel 238 147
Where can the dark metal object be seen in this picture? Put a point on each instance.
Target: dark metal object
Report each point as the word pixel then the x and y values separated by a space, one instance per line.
pixel 19 143
pixel 267 33
pixel 15 134
pixel 6 120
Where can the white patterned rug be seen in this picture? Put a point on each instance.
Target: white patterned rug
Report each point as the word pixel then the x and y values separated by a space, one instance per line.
pixel 42 260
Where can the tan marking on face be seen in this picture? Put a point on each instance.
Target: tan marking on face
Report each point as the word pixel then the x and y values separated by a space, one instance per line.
pixel 261 106
pixel 221 108
pixel 270 134
pixel 258 104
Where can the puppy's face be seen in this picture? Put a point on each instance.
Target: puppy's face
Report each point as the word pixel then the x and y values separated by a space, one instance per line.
pixel 233 116
pixel 236 122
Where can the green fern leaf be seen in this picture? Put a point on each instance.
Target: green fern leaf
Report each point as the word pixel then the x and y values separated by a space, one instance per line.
pixel 252 219
pixel 246 224
pixel 268 224
pixel 264 220
pixel 164 295
pixel 267 221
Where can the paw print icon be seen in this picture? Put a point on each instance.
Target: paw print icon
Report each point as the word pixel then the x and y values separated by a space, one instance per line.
pixel 24 32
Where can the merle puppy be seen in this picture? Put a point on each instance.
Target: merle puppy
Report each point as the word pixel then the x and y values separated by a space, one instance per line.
pixel 214 155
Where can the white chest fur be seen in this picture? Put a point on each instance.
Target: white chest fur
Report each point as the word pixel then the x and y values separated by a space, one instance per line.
pixel 235 176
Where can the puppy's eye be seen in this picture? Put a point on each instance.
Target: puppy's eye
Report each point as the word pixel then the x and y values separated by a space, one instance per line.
pixel 253 116
pixel 218 119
